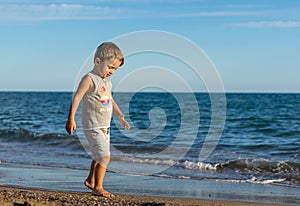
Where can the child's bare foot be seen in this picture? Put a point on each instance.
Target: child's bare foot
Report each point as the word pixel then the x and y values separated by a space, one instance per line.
pixel 88 184
pixel 102 193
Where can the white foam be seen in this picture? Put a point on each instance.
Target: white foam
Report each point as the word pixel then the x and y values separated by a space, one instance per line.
pixel 148 161
pixel 200 166
pixel 186 164
pixel 256 181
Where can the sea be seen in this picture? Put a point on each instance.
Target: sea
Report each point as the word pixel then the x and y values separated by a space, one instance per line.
pixel 259 140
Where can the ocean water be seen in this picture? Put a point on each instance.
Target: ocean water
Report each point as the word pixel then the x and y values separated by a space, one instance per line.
pixel 259 144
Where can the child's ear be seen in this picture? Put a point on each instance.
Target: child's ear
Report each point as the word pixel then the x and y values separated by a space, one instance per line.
pixel 97 60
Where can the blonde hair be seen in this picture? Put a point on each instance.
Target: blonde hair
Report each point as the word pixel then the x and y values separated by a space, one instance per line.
pixel 108 50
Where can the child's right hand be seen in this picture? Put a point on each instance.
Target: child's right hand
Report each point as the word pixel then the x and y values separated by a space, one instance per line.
pixel 70 126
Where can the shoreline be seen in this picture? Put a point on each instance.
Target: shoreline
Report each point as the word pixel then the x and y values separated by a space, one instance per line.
pixel 33 183
pixel 34 197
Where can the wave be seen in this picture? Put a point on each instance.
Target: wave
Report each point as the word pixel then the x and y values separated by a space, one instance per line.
pixel 270 181
pixel 253 180
pixel 241 164
pixel 260 171
pixel 190 165
pixel 23 135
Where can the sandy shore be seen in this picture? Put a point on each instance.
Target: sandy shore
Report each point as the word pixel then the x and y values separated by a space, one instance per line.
pixel 20 185
pixel 24 196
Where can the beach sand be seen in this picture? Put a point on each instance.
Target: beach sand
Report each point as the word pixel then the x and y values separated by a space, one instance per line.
pixel 39 185
pixel 25 196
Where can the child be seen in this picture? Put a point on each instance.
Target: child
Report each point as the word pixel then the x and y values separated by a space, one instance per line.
pixel 98 105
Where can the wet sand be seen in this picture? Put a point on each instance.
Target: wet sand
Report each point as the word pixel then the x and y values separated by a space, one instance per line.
pixel 25 196
pixel 39 185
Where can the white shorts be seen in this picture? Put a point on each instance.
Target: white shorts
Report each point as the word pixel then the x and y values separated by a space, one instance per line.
pixel 99 141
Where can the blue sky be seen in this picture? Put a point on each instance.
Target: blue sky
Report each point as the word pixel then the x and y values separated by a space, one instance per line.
pixel 254 45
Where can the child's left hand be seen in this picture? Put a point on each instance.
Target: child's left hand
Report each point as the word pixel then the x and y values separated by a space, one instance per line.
pixel 124 123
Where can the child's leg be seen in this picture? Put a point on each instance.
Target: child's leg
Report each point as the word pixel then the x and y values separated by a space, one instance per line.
pixel 99 143
pixel 90 180
pixel 100 170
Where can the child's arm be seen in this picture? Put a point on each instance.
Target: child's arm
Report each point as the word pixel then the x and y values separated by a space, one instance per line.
pixel 85 84
pixel 120 115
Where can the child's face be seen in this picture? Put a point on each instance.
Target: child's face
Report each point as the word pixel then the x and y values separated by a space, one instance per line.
pixel 107 67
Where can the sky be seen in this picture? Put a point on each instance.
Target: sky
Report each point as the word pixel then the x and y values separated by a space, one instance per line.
pixel 253 44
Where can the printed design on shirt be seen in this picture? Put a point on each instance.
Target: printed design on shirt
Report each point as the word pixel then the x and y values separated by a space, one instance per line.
pixel 105 100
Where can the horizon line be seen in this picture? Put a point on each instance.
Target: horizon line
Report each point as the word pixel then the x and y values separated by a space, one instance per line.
pixel 228 92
